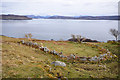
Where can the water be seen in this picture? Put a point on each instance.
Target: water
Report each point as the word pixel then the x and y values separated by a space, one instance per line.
pixel 59 29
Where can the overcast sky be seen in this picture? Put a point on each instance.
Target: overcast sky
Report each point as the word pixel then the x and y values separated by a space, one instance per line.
pixel 60 7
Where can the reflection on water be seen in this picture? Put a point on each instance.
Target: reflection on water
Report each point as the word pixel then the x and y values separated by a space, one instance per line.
pixel 56 29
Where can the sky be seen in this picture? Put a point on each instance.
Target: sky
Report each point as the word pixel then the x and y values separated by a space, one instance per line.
pixel 60 7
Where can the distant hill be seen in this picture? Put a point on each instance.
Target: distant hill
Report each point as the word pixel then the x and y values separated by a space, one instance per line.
pixel 14 17
pixel 29 17
pixel 78 17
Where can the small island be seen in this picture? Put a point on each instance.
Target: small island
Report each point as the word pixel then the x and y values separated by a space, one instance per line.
pixel 14 17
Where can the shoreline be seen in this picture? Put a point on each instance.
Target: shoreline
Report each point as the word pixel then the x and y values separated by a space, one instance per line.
pixel 56 40
pixel 67 19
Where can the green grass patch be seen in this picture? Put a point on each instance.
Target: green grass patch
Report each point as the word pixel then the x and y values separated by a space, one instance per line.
pixel 20 61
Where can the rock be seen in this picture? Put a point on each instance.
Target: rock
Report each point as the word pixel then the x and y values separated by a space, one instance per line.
pixel 60 53
pixel 94 58
pixel 100 58
pixel 27 43
pixel 50 69
pixel 83 58
pixel 46 49
pixel 54 51
pixel 22 41
pixel 88 58
pixel 30 43
pixel 104 54
pixel 72 56
pixel 86 40
pixel 42 48
pixel 35 44
pixel 59 63
pixel 62 56
pixel 68 57
pixel 57 54
pixel 51 52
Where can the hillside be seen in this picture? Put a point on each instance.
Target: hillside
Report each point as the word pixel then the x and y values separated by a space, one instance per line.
pixel 29 17
pixel 77 17
pixel 14 17
pixel 21 61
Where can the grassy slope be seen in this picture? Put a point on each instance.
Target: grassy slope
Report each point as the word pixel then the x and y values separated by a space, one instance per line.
pixel 70 48
pixel 22 61
pixel 0 57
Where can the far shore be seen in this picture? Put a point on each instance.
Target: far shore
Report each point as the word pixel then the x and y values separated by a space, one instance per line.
pixel 30 17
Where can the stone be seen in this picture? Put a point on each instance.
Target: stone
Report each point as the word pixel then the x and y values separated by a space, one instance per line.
pixel 59 63
pixel 94 59
pixel 60 53
pixel 51 52
pixel 22 41
pixel 35 44
pixel 57 54
pixel 54 53
pixel 62 56
pixel 83 58
pixel 27 43
pixel 46 49
pixel 30 43
pixel 72 55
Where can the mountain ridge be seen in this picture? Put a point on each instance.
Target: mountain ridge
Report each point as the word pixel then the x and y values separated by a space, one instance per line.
pixel 29 17
pixel 14 17
pixel 77 17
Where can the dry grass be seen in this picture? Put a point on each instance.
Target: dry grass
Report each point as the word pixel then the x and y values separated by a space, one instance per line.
pixel 20 61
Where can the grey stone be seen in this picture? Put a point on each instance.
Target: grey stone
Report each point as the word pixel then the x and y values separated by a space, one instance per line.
pixel 59 63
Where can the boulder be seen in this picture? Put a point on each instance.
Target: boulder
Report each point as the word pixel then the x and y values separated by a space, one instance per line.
pixel 27 43
pixel 57 54
pixel 86 40
pixel 30 43
pixel 94 58
pixel 46 49
pixel 62 56
pixel 35 44
pixel 59 63
pixel 22 41
pixel 60 53
pixel 83 58
pixel 72 56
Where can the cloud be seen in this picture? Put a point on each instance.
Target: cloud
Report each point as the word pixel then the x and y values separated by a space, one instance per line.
pixel 60 1
pixel 61 7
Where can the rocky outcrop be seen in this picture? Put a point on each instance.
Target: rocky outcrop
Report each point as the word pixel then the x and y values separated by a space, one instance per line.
pixel 86 40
